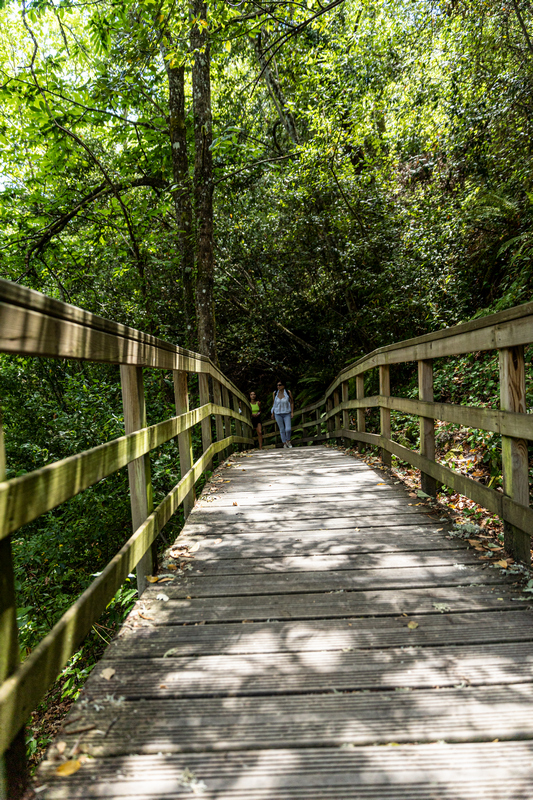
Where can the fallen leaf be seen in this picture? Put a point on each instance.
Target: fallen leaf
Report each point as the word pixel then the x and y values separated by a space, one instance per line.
pixel 235 503
pixel 166 580
pixel 381 484
pixel 162 596
pixel 501 563
pixel 143 616
pixel 108 673
pixel 61 747
pixel 412 625
pixel 163 686
pixel 441 607
pixel 439 530
pixel 217 541
pixel 68 768
pixel 172 566
pixel 152 578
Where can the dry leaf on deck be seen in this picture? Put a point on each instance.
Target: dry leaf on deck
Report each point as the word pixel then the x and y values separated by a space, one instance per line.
pixel 163 597
pixel 501 563
pixel 152 578
pixel 412 625
pixel 143 616
pixel 68 767
pixel 108 673
pixel 235 503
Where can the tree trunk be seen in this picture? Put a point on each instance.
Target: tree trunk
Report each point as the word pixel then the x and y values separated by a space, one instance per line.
pixel 203 183
pixel 182 193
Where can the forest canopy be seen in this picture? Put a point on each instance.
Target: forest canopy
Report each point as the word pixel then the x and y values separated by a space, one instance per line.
pixel 312 180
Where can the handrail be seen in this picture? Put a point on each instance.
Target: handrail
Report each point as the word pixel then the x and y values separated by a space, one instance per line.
pixel 507 332
pixel 33 324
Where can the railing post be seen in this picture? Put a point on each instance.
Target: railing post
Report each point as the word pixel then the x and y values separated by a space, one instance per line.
pixel 238 423
pixel 345 411
pixel 14 775
pixel 427 425
pixel 139 472
pixel 384 413
pixel 330 422
pixel 219 423
pixel 227 421
pixel 360 393
pixel 337 417
pixel 181 396
pixel 207 437
pixel 514 451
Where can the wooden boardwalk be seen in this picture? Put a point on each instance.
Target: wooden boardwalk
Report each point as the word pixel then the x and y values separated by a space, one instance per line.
pixel 281 665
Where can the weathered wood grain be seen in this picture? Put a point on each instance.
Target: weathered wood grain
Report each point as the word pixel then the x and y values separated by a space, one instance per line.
pixel 281 673
pixel 327 720
pixel 292 580
pixel 481 771
pixel 331 605
pixel 480 628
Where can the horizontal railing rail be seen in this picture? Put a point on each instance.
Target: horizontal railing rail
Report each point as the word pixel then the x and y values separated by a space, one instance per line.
pixel 507 332
pixel 36 325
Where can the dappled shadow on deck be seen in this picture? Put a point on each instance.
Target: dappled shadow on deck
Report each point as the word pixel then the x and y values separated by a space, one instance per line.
pixel 263 676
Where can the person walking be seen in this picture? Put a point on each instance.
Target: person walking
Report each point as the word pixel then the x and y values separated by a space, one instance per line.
pixel 255 405
pixel 283 411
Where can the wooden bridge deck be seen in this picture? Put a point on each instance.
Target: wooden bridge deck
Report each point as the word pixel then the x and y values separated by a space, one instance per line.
pixel 281 665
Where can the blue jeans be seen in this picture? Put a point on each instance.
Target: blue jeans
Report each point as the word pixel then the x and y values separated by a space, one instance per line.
pixel 284 425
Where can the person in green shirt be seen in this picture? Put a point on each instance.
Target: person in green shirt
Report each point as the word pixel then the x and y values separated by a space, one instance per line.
pixel 256 417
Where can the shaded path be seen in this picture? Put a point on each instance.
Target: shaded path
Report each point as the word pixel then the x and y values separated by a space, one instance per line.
pixel 282 662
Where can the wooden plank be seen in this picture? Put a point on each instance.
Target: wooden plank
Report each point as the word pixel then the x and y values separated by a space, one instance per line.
pixel 195 585
pixel 309 501
pixel 515 460
pixel 140 481
pixel 232 519
pixel 463 771
pixel 153 641
pixel 205 563
pixel 199 725
pixel 282 673
pixel 373 603
pixel 238 542
pixel 181 395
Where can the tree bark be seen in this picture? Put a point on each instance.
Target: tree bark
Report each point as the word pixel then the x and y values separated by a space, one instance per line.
pixel 203 182
pixel 183 191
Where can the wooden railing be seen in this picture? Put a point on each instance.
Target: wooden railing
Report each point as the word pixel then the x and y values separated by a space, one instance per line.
pixel 33 324
pixel 507 332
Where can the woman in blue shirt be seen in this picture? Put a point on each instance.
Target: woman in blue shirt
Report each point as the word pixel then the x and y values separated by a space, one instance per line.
pixel 283 412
